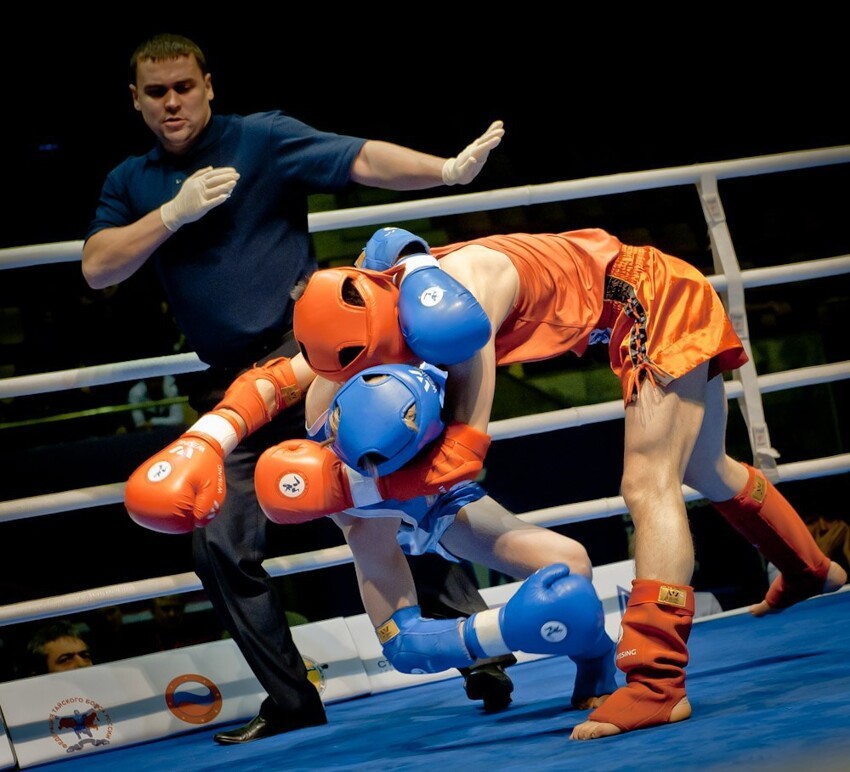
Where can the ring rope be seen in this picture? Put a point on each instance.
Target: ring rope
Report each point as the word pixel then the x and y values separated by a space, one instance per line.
pixel 174 364
pixel 372 215
pixel 554 420
pixel 524 195
pixel 128 592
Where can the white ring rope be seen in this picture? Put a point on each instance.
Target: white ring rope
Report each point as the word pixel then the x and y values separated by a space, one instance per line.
pixel 554 420
pixel 526 195
pixel 99 375
pixel 117 372
pixel 70 251
pixel 606 411
pixel 129 592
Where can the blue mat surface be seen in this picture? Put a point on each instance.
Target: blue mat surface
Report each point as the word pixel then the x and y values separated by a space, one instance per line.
pixel 768 694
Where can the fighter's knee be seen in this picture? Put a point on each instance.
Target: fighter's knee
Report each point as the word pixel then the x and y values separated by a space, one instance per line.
pixel 632 489
pixel 644 485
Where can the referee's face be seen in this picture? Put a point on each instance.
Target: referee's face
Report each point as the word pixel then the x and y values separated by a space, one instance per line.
pixel 173 96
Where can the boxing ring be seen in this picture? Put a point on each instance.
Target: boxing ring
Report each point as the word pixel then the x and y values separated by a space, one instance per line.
pixel 769 695
pixel 765 692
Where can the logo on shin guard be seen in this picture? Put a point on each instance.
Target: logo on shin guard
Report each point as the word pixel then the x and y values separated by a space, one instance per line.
pixel 672 596
pixel 759 489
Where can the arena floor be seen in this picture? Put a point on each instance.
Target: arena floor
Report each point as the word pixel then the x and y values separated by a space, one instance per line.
pixel 768 694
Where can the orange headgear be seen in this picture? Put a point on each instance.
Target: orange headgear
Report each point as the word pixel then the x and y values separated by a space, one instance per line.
pixel 347 320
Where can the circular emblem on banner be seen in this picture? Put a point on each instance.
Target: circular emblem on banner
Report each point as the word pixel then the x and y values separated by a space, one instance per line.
pixel 78 722
pixel 193 698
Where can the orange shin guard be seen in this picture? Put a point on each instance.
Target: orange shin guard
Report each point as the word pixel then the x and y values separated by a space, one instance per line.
pixel 653 653
pixel 764 517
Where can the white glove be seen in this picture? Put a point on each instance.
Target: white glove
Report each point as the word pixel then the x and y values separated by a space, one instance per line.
pixel 465 167
pixel 204 190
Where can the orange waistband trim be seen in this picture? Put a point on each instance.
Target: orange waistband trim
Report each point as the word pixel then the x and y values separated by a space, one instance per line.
pixel 630 264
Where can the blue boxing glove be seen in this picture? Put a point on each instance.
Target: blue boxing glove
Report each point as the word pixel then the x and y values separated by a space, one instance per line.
pixel 552 612
pixel 387 245
pixel 417 645
pixel 440 319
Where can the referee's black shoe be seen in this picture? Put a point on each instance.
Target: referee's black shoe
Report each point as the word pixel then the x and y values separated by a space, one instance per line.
pixel 258 728
pixel 489 682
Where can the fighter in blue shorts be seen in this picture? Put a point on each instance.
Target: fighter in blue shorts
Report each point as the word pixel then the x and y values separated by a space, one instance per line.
pixel 423 520
pixel 378 421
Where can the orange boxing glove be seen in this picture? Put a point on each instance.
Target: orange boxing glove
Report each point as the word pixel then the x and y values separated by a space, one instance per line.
pixel 181 487
pixel 244 398
pixel 301 480
pixel 458 456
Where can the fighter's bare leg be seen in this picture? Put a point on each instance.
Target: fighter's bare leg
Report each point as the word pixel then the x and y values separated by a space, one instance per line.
pixel 710 471
pixel 721 478
pixel 383 573
pixel 485 532
pixel 661 429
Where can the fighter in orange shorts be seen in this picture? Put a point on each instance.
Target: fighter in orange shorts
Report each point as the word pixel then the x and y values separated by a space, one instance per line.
pixel 524 297
pixel 472 306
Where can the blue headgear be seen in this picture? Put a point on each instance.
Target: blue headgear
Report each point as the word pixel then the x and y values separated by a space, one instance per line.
pixel 372 407
pixel 385 246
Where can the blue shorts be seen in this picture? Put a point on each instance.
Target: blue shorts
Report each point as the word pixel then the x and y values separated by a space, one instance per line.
pixel 424 520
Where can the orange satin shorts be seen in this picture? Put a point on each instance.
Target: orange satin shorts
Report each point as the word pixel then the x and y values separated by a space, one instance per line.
pixel 665 320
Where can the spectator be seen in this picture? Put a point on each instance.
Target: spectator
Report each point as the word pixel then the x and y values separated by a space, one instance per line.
pixel 110 636
pixel 171 628
pixel 832 533
pixel 167 627
pixel 56 647
pixel 145 393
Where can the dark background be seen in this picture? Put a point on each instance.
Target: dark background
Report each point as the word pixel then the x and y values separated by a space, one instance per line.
pixel 581 93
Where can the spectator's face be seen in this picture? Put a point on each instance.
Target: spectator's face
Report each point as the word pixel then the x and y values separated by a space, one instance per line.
pixel 112 616
pixel 66 653
pixel 168 612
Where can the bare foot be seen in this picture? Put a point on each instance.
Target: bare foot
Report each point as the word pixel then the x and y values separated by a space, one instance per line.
pixel 835 579
pixel 593 730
